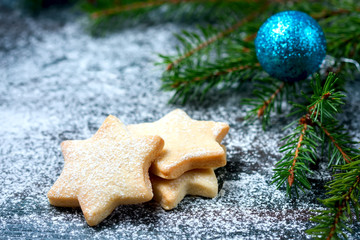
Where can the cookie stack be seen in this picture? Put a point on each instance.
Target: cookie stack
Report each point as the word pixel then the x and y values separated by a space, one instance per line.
pixel 112 167
pixel 191 153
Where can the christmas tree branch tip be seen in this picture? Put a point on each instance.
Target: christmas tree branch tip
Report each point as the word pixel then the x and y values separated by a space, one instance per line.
pixel 344 192
pixel 301 147
pixel 269 96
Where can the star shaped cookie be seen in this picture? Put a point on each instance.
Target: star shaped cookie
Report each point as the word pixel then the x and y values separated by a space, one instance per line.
pixel 189 144
pixel 200 182
pixel 107 170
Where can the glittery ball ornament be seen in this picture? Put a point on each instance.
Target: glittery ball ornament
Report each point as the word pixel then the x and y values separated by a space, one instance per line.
pixel 290 46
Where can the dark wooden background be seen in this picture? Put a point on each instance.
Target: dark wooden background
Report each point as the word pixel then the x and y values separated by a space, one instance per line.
pixel 57 82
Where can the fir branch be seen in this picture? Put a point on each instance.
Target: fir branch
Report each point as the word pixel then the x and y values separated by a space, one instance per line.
pixel 225 72
pixel 342 30
pixel 212 75
pixel 339 148
pixel 327 103
pixel 346 158
pixel 269 97
pixel 115 7
pixel 320 113
pixel 140 5
pixel 326 13
pixel 291 177
pixel 345 192
pixel 130 7
pixel 294 166
pixel 216 37
pixel 111 15
pixel 339 21
pixel 326 100
pixel 318 116
pixel 341 208
pixel 331 221
pixel 270 100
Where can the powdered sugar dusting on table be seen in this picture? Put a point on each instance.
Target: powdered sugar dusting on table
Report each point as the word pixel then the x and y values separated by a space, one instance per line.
pixel 58 83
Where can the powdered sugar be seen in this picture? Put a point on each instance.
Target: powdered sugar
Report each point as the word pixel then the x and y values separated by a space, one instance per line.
pixel 217 129
pixel 200 153
pixel 62 84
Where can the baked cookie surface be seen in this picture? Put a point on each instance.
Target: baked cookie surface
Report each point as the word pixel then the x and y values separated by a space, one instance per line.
pixel 200 182
pixel 189 144
pixel 107 170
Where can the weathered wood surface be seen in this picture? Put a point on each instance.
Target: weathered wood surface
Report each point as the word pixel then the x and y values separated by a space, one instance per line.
pixel 57 83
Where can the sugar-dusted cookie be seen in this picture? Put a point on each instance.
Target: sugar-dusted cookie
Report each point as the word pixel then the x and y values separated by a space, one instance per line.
pixel 169 192
pixel 189 144
pixel 109 169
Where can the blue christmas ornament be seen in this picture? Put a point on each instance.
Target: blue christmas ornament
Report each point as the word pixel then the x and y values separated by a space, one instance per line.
pixel 290 46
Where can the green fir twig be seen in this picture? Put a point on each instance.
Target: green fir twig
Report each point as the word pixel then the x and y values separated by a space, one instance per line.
pixel 342 204
pixel 194 83
pixel 216 37
pixel 317 124
pixel 269 95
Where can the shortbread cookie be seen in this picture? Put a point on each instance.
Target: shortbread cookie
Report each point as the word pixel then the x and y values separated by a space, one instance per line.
pixel 200 182
pixel 189 144
pixel 107 170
